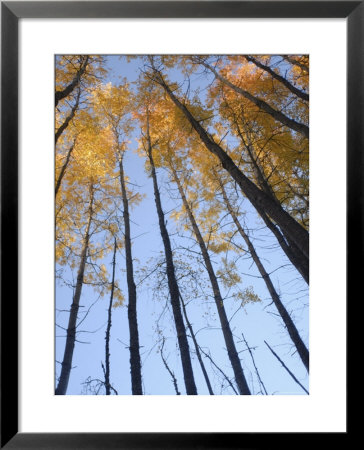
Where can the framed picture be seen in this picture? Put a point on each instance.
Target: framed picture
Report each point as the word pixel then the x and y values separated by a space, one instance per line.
pixel 32 34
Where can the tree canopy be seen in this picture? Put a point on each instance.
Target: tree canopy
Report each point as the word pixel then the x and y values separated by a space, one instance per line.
pixel 182 197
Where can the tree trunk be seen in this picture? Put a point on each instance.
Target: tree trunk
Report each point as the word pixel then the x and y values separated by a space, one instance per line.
pixel 59 95
pixel 228 336
pixel 259 199
pixel 64 167
pixel 71 329
pixel 291 373
pixel 135 364
pixel 68 118
pixel 108 327
pixel 197 348
pixel 220 370
pixel 297 258
pixel 174 379
pixel 288 322
pixel 255 366
pixel 172 284
pixel 277 115
pixel 296 63
pixel 293 253
pixel 278 77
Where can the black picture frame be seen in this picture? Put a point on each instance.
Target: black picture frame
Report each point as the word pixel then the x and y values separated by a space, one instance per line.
pixel 11 12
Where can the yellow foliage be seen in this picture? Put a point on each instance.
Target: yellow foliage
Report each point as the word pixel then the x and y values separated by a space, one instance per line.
pixel 248 296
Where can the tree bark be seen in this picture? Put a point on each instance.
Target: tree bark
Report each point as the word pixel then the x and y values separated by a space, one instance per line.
pixel 220 370
pixel 64 167
pixel 71 329
pixel 228 336
pixel 294 254
pixel 108 327
pixel 174 379
pixel 255 366
pixel 297 258
pixel 68 118
pixel 59 95
pixel 277 115
pixel 292 375
pixel 259 199
pixel 172 282
pixel 197 348
pixel 287 320
pixel 296 63
pixel 278 77
pixel 135 364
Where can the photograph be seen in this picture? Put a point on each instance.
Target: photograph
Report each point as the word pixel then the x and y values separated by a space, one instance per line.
pixel 181 224
pixel 181 199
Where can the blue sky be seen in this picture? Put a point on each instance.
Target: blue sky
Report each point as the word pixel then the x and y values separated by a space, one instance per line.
pixel 258 321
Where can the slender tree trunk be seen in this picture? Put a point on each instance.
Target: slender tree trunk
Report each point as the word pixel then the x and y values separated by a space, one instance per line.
pixel 228 336
pixel 259 199
pixel 278 77
pixel 287 320
pixel 291 373
pixel 174 379
pixel 197 348
pixel 294 254
pixel 259 172
pixel 221 371
pixel 68 118
pixel 64 167
pixel 296 63
pixel 135 364
pixel 71 329
pixel 108 327
pixel 255 366
pixel 277 115
pixel 59 95
pixel 172 284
